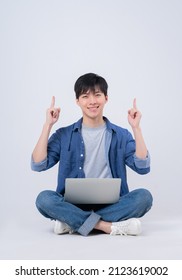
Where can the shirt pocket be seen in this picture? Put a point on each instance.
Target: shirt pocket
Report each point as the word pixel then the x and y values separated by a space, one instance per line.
pixel 68 163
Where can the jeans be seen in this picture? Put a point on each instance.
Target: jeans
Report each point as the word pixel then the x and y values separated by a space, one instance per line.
pixel 83 218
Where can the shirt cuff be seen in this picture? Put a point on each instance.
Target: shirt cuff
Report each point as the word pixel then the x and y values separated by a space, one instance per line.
pixel 38 166
pixel 142 163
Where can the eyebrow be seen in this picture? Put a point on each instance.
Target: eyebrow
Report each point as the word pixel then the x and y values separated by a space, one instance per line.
pixel 89 91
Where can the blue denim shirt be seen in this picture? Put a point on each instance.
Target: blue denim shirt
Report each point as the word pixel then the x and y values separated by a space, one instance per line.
pixel 66 146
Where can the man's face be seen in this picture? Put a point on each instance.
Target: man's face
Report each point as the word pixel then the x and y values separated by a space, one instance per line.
pixel 92 103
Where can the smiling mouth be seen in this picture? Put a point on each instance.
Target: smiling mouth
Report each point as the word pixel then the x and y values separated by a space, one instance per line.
pixel 96 107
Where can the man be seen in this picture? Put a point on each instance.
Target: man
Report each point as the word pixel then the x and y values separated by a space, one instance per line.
pixel 93 147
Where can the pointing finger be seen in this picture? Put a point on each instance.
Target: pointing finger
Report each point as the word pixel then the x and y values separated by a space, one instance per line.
pixel 134 104
pixel 53 102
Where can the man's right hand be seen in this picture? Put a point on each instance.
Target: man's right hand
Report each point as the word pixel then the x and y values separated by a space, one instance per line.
pixel 52 114
pixel 40 150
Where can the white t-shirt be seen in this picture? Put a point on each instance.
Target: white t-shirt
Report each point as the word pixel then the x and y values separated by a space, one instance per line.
pixel 96 163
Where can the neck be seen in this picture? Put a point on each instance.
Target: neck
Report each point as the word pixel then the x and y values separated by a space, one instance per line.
pixel 93 122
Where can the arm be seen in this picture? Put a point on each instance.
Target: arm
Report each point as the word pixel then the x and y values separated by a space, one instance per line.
pixel 52 116
pixel 134 117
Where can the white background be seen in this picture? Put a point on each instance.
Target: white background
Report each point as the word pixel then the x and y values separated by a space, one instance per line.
pixel 46 45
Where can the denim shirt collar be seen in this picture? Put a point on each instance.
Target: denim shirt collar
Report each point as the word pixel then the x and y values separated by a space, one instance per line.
pixel 109 125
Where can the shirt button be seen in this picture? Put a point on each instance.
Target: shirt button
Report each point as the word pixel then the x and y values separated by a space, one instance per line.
pixel 80 168
pixel 81 155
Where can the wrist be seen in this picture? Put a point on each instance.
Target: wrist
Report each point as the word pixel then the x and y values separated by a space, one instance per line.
pixel 47 126
pixel 136 129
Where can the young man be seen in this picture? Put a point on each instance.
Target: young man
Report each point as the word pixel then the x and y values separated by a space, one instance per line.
pixel 93 147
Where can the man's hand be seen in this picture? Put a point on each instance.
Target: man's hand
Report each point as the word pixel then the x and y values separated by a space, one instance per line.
pixel 40 150
pixel 134 116
pixel 52 114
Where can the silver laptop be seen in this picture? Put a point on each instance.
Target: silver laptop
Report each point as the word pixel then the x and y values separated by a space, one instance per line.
pixel 92 190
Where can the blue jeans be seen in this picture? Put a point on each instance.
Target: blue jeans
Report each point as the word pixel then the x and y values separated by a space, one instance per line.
pixel 83 218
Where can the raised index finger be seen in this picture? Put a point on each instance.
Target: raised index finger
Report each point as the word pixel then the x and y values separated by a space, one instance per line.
pixel 134 104
pixel 53 102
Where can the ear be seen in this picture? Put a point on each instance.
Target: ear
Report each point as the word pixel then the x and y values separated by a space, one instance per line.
pixel 77 101
pixel 106 97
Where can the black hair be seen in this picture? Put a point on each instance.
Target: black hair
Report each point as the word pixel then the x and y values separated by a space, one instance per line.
pixel 90 81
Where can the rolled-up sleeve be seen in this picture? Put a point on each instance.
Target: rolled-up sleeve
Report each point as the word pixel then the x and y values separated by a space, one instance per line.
pixel 53 154
pixel 142 163
pixel 38 166
pixel 141 166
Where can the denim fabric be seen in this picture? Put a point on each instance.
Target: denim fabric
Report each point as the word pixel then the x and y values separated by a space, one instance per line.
pixel 52 205
pixel 66 146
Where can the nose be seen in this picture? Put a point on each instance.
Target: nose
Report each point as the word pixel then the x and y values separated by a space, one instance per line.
pixel 92 99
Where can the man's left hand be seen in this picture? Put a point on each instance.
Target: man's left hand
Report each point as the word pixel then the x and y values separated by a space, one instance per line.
pixel 134 115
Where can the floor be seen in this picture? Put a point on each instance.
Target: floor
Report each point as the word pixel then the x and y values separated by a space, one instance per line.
pixel 34 239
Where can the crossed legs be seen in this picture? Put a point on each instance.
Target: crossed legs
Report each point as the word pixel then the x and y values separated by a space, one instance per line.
pixel 132 205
